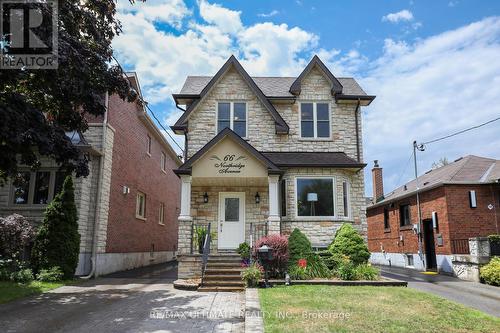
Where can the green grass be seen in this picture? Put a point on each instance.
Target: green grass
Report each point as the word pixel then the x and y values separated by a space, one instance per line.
pixel 367 309
pixel 12 290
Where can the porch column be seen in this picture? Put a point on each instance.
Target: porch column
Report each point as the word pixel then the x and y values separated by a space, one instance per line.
pixel 274 216
pixel 185 219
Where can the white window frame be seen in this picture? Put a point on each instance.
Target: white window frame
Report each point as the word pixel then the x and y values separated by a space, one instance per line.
pixel 31 189
pixel 315 120
pixel 231 116
pixel 161 214
pixel 348 198
pixel 138 214
pixel 149 145
pixel 334 188
pixel 163 161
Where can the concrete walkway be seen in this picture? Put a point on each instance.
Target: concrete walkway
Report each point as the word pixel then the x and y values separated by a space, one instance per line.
pixel 141 300
pixel 475 295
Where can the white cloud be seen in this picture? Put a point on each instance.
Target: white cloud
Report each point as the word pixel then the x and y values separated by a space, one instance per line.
pixel 228 21
pixel 403 15
pixel 167 11
pixel 270 14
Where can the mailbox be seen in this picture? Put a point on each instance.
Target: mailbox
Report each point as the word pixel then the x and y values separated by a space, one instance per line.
pixel 265 254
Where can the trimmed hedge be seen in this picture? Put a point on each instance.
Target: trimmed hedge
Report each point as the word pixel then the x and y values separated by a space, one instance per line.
pixel 348 242
pixel 298 246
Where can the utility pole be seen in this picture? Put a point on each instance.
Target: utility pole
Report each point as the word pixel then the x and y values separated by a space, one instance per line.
pixel 419 214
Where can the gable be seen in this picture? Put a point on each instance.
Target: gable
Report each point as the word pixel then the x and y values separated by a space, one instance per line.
pixel 335 85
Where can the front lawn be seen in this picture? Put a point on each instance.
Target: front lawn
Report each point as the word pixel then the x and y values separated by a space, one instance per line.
pixel 367 309
pixel 12 290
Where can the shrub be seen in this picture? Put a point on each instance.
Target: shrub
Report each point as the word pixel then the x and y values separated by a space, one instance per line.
pixel 57 242
pixel 24 275
pixel 279 244
pixel 15 234
pixel 490 273
pixel 314 268
pixel 244 251
pixel 348 242
pixel 297 273
pixel 252 275
pixel 494 239
pixel 366 272
pixel 50 275
pixel 298 246
pixel 346 270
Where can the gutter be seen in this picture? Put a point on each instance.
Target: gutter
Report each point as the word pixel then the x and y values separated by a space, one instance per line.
pixel 97 213
pixel 357 130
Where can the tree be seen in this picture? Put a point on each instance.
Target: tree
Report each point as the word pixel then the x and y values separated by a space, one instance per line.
pixel 57 242
pixel 442 162
pixel 298 246
pixel 348 242
pixel 37 107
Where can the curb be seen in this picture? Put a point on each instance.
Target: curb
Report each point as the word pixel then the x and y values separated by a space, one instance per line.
pixel 387 282
pixel 253 316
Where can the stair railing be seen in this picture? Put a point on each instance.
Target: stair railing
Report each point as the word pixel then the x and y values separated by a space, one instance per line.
pixel 206 252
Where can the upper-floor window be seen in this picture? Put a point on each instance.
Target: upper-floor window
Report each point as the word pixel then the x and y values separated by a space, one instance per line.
pixel 161 213
pixel 140 209
pixel 386 218
pixel 163 161
pixel 149 145
pixel 404 215
pixel 315 196
pixel 232 115
pixel 314 120
pixel 36 188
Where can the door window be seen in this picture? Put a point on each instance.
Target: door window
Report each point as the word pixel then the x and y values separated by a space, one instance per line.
pixel 232 211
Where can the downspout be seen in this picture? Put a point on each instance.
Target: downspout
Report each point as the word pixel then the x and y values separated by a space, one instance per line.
pixel 97 213
pixel 357 130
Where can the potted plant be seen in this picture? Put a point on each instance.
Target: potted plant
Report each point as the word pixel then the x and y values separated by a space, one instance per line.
pixel 252 275
pixel 244 252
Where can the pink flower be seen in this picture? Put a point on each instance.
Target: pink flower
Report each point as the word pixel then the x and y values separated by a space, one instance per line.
pixel 302 263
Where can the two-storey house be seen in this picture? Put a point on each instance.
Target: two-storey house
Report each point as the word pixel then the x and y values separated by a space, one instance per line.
pixel 269 154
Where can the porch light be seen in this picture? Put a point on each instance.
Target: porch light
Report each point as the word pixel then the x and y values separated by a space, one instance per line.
pixel 205 197
pixel 257 198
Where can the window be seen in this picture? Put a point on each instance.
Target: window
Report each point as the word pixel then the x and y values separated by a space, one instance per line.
pixel 386 218
pixel 404 215
pixel 36 188
pixel 232 115
pixel 409 260
pixel 149 145
pixel 314 120
pixel 140 210
pixel 161 217
pixel 345 197
pixel 315 197
pixel 283 197
pixel 472 199
pixel 163 160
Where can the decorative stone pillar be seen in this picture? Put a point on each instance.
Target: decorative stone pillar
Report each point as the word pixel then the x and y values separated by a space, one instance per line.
pixel 185 219
pixel 274 216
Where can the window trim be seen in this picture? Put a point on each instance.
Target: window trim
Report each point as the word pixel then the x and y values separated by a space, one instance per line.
pixel 137 215
pixel 163 161
pixel 409 216
pixel 231 115
pixel 313 218
pixel 387 220
pixel 315 121
pixel 31 189
pixel 161 214
pixel 347 198
pixel 149 145
pixel 283 196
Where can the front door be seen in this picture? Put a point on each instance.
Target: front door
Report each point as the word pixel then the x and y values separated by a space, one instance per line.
pixel 430 247
pixel 231 220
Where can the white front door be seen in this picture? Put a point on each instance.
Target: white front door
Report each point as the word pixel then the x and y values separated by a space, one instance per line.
pixel 231 219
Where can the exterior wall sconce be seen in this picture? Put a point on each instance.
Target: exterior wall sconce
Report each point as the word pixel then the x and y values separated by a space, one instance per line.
pixel 205 197
pixel 257 198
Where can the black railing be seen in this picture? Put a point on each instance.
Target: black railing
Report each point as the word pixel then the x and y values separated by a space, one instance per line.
pixel 257 231
pixel 206 252
pixel 460 246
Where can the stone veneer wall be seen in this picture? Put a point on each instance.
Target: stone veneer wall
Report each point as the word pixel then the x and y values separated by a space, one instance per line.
pixel 261 127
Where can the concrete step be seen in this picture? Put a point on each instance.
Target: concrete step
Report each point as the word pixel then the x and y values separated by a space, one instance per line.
pixel 223 283
pixel 221 289
pixel 223 259
pixel 223 271
pixel 223 265
pixel 235 277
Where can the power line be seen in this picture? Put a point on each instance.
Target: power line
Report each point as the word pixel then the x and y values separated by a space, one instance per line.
pixel 405 168
pixel 460 132
pixel 144 102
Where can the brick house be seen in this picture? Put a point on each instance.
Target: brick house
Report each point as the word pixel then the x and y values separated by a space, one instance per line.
pixel 128 204
pixel 269 154
pixel 457 201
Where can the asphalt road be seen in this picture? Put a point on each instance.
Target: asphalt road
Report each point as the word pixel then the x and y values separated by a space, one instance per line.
pixel 141 300
pixel 475 295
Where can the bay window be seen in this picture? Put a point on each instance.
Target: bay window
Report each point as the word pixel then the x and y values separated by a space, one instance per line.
pixel 36 188
pixel 314 120
pixel 232 115
pixel 315 196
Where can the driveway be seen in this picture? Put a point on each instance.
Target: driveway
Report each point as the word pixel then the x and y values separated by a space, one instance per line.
pixel 475 295
pixel 140 300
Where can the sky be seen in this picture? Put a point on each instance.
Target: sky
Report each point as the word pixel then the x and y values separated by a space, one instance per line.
pixel 433 65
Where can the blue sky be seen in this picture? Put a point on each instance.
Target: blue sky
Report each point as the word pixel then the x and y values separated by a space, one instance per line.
pixel 432 64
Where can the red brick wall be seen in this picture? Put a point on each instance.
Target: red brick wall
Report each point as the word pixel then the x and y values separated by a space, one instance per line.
pixel 469 222
pixel 430 201
pixel 133 167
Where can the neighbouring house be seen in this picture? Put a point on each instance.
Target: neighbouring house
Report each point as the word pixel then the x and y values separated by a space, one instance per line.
pixel 129 203
pixel 458 201
pixel 265 155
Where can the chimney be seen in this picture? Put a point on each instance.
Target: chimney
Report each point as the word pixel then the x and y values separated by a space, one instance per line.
pixel 378 182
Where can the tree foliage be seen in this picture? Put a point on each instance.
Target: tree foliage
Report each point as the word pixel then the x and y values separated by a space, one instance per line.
pixel 38 106
pixel 57 242
pixel 348 242
pixel 298 246
pixel 15 234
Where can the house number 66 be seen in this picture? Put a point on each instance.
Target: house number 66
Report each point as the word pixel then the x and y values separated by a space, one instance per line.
pixel 228 158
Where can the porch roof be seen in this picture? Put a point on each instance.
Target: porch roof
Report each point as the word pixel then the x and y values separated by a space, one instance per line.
pixel 313 159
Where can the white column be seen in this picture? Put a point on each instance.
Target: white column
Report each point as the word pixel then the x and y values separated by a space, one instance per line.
pixel 185 214
pixel 274 216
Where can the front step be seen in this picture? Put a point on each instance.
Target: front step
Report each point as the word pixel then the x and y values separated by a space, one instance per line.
pixel 223 283
pixel 221 289
pixel 223 273
pixel 228 277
